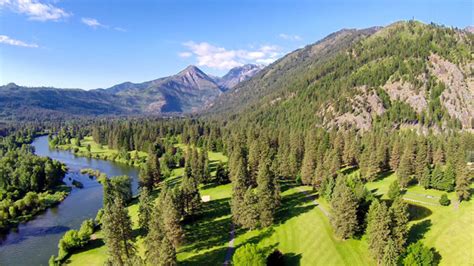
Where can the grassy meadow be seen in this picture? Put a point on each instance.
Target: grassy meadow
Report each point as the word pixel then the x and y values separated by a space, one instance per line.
pixel 302 232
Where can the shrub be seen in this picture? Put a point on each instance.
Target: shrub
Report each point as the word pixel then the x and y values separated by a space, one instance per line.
pixel 444 200
pixel 418 254
pixel 249 254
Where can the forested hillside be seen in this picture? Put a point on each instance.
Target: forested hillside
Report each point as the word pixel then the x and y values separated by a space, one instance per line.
pixel 407 73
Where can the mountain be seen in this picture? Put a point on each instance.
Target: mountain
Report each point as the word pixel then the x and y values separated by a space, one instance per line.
pixel 237 75
pixel 17 102
pixel 407 74
pixel 188 91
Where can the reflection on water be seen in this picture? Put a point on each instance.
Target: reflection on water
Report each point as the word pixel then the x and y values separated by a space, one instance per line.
pixel 34 242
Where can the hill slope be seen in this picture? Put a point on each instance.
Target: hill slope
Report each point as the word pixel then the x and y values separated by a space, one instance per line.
pixel 407 73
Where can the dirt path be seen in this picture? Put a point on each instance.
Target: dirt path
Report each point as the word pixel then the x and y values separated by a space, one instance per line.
pixel 230 248
pixel 314 201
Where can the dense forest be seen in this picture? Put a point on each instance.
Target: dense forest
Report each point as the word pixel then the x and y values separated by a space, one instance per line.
pixel 260 162
pixel 28 183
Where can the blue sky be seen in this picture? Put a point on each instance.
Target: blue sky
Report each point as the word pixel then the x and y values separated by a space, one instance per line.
pixel 98 43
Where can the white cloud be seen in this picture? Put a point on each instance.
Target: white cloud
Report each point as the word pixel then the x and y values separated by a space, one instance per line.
pixel 35 9
pixel 7 40
pixel 290 37
pixel 224 59
pixel 92 22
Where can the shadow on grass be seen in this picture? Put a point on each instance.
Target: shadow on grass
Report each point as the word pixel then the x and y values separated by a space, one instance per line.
pixel 383 175
pixel 417 231
pixel 209 228
pixel 292 206
pixel 292 259
pixel 418 212
pixel 349 170
pixel 212 257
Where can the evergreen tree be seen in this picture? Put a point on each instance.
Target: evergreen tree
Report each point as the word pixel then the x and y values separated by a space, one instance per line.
pixel 239 188
pixel 425 179
pixel 395 155
pixel 249 215
pixel 405 170
pixel 222 175
pixel 309 160
pixel 443 181
pixel 463 184
pixel 378 229
pixel 266 194
pixel 344 210
pixel 159 248
pixel 145 208
pixel 349 153
pixel 170 218
pixel 390 257
pixel 117 229
pixel 394 190
pixel 190 194
pixel 400 219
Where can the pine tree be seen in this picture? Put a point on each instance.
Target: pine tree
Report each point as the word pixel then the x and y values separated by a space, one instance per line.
pixel 253 160
pixel 239 188
pixel 153 162
pixel 145 177
pixel 400 219
pixel 394 190
pixel 378 229
pixel 266 194
pixel 248 217
pixel 395 156
pixel 309 160
pixel 349 153
pixel 421 159
pixel 145 208
pixel 405 170
pixel 425 179
pixel 167 253
pixel 117 229
pixel 463 184
pixel 159 248
pixel 344 210
pixel 449 178
pixel 436 177
pixel 190 194
pixel 438 156
pixel 390 257
pixel 170 218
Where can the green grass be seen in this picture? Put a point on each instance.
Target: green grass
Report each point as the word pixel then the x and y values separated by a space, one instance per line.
pixel 102 151
pixel 303 233
pixel 447 229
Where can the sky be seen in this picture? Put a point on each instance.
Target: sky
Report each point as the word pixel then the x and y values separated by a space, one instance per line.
pixel 92 44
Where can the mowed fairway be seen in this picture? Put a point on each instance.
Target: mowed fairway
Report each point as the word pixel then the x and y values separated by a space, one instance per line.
pixel 448 229
pixel 302 232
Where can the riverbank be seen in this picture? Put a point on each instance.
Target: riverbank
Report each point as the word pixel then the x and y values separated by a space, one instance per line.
pixel 36 203
pixel 87 147
pixel 33 242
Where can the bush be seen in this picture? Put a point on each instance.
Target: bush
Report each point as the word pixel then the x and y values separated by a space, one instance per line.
pixel 249 254
pixel 444 200
pixel 418 254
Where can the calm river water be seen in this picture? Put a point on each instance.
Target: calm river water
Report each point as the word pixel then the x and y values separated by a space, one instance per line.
pixel 34 242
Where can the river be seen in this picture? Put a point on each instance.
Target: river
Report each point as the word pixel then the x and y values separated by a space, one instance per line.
pixel 33 242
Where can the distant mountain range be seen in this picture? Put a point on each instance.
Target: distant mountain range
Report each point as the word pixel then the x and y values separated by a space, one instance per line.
pixel 407 74
pixel 190 90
